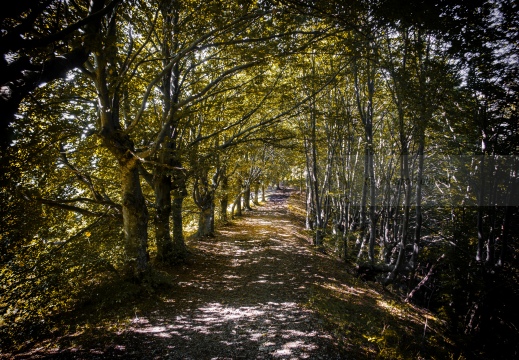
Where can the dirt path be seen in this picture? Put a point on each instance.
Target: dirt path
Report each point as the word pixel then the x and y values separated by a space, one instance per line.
pixel 242 298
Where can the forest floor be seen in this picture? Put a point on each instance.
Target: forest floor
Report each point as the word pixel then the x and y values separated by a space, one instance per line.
pixel 257 290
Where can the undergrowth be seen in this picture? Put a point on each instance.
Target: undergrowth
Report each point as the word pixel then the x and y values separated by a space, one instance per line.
pixel 370 321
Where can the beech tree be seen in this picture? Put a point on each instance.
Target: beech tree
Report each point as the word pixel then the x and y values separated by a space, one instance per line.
pixel 131 123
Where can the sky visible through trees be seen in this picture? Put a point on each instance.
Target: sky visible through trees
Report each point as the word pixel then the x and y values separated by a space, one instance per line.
pixel 130 127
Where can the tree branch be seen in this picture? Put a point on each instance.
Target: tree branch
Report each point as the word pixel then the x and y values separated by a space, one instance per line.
pixel 191 47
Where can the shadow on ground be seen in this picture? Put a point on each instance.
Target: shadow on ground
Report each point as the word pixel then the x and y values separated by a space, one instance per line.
pixel 255 291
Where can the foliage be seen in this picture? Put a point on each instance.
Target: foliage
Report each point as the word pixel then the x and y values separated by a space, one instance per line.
pixel 139 123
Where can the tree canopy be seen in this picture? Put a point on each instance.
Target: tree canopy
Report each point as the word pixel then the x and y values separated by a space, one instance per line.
pixel 131 126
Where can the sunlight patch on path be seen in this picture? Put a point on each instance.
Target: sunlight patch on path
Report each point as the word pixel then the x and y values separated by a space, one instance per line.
pixel 273 329
pixel 264 275
pixel 241 297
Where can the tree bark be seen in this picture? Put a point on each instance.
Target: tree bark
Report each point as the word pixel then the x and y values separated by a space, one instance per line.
pixel 372 211
pixel 256 192
pixel 120 145
pixel 246 196
pixel 162 190
pixel 406 181
pixel 206 221
pixel 203 196
pixel 504 234
pixel 237 204
pixel 363 206
pixel 482 118
pixel 418 211
pixel 490 258
pixel 224 200
pixel 179 246
pixel 310 210
pixel 481 208
pixel 135 220
pixel 365 109
pixel 169 250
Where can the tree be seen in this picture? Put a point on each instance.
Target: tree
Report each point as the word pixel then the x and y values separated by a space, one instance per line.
pixel 42 41
pixel 400 118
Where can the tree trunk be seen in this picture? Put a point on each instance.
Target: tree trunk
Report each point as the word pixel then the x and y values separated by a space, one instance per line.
pixel 162 189
pixel 419 183
pixel 313 168
pixel 425 115
pixel 310 210
pixel 246 196
pixel 372 210
pixel 504 234
pixel 490 259
pixel 224 200
pixel 481 201
pixel 120 145
pixel 179 245
pixel 135 221
pixel 206 221
pixel 170 249
pixel 237 204
pixel 406 181
pixel 481 117
pixel 224 203
pixel 203 196
pixel 256 193
pixel 345 230
pixel 363 202
pixel 309 221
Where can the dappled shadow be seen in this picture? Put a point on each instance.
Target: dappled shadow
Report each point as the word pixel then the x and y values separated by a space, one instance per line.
pixel 257 290
pixel 213 330
pixel 241 298
pixel 279 197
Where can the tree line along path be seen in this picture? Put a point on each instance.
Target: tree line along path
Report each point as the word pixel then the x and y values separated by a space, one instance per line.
pixel 256 290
